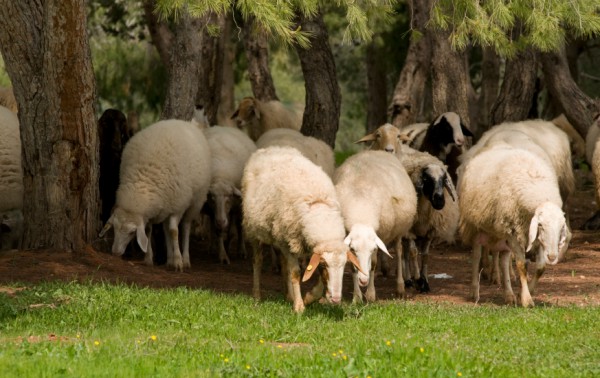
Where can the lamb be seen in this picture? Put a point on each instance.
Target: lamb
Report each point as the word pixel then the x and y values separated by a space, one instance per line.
pixel 11 180
pixel 379 204
pixel 164 178
pixel 314 149
pixel 258 117
pixel 230 150
pixel 510 202
pixel 290 203
pixel 437 209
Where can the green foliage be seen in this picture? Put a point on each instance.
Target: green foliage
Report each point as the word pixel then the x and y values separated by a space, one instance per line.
pixel 116 330
pixel 541 24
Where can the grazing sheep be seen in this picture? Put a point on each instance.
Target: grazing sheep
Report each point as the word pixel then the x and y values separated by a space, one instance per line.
pixel 379 204
pixel 7 99
pixel 510 202
pixel 230 150
pixel 290 203
pixel 575 139
pixel 259 117
pixel 314 149
pixel 437 210
pixel 11 180
pixel 165 176
pixel 113 133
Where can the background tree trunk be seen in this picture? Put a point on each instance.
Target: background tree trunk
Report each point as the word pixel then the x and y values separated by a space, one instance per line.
pixel 43 44
pixel 161 35
pixel 407 101
pixel 376 85
pixel 323 97
pixel 257 54
pixel 578 107
pixel 210 78
pixel 184 68
pixel 449 78
pixel 490 83
pixel 227 104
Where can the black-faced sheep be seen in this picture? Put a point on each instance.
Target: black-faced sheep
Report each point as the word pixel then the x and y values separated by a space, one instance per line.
pixel 379 204
pixel 258 117
pixel 164 178
pixel 11 180
pixel 290 203
pixel 510 202
pixel 230 150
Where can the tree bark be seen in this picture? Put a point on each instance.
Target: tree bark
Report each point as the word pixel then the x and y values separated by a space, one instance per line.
pixel 323 97
pixel 376 86
pixel 227 104
pixel 408 97
pixel 44 43
pixel 578 107
pixel 161 35
pixel 184 68
pixel 210 78
pixel 490 83
pixel 449 78
pixel 256 46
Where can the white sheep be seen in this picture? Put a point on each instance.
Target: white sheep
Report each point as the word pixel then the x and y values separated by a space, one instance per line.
pixel 314 149
pixel 379 204
pixel 230 150
pixel 510 202
pixel 11 180
pixel 437 208
pixel 164 178
pixel 290 203
pixel 575 139
pixel 257 116
pixel 591 138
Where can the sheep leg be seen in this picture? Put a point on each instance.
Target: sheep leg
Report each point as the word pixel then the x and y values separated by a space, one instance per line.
pixel 475 258
pixel 540 266
pixel 422 283
pixel 257 259
pixel 241 247
pixel 168 241
pixel 149 258
pixel 289 294
pixel 402 248
pixel 384 265
pixel 486 268
pixel 172 226
pixel 223 258
pixel 509 295
pixel 526 300
pixel 370 294
pixel 495 275
pixel 186 228
pixel 357 293
pixel 293 269
pixel 413 258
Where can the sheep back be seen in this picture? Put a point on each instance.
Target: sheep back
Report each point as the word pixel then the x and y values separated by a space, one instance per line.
pixel 259 116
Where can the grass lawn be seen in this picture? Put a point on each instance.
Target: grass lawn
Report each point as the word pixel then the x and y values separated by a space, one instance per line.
pixel 99 330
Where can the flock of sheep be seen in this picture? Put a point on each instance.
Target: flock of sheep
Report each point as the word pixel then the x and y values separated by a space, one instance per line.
pixel 413 187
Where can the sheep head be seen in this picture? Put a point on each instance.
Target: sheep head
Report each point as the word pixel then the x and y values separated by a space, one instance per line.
pixel 431 184
pixel 447 130
pixel 246 112
pixel 387 138
pixel 221 198
pixel 364 242
pixel 548 232
pixel 126 226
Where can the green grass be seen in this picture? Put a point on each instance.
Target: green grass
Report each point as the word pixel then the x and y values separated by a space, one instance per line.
pixel 122 331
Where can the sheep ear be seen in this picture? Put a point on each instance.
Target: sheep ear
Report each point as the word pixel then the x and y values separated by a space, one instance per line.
pixel 352 258
pixel 235 114
pixel 450 187
pixel 533 230
pixel 255 111
pixel 142 239
pixel 465 130
pixel 405 137
pixel 348 240
pixel 382 246
pixel 315 259
pixel 562 240
pixel 106 227
pixel 237 192
pixel 367 138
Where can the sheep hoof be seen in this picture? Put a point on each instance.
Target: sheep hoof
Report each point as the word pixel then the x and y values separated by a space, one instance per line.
pixel 408 283
pixel 299 307
pixel 370 297
pixel 422 285
pixel 225 261
pixel 510 299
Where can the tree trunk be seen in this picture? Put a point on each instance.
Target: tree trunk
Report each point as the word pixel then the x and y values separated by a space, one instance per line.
pixel 449 78
pixel 227 104
pixel 161 35
pixel 376 85
pixel 578 107
pixel 257 54
pixel 407 101
pixel 211 67
pixel 184 69
pixel 323 98
pixel 490 83
pixel 43 44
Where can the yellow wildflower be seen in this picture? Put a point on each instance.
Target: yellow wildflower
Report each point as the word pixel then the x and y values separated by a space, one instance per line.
pixel 388 343
pixel 422 350
pixel 248 367
pixel 96 342
pixel 261 341
pixel 153 337
pixel 459 374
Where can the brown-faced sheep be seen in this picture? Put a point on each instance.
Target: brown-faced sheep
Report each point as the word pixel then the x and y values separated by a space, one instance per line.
pixel 258 117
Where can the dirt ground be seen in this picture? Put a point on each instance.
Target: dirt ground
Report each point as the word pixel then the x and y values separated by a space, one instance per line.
pixel 576 280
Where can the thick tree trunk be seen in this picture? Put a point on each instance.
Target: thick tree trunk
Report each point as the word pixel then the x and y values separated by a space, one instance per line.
pixel 323 97
pixel 449 78
pixel 227 104
pixel 184 69
pixel 376 86
pixel 257 54
pixel 490 83
pixel 161 35
pixel 408 98
pixel 578 107
pixel 211 67
pixel 43 44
